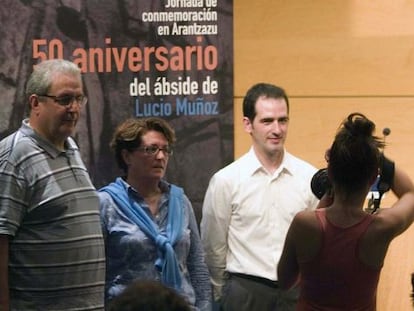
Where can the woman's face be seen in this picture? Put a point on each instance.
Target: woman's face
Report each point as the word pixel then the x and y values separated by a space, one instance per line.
pixel 146 162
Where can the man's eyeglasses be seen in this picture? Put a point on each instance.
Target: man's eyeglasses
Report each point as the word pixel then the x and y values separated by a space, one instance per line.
pixel 154 149
pixel 67 100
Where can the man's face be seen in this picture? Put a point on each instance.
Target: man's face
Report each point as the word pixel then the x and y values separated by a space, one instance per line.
pixel 52 120
pixel 269 127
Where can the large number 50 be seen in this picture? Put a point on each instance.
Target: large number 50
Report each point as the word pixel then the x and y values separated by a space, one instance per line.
pixel 44 51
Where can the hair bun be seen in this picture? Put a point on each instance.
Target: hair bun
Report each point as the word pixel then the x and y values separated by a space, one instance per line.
pixel 359 125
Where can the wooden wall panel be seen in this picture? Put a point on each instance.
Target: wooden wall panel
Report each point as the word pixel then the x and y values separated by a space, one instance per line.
pixel 333 58
pixel 325 47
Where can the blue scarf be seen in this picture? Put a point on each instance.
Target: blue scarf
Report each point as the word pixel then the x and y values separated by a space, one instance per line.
pixel 167 261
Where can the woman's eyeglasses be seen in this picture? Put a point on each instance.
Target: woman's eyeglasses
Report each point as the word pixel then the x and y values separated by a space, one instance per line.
pixel 154 149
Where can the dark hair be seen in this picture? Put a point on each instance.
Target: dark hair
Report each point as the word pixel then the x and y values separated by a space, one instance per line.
pixel 354 157
pixel 129 133
pixel 146 295
pixel 261 90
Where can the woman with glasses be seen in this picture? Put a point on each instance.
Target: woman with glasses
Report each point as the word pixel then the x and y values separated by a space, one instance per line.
pixel 149 225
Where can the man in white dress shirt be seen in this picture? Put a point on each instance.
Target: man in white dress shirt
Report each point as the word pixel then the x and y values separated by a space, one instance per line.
pixel 249 206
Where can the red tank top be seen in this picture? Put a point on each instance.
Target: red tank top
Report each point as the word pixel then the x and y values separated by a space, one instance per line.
pixel 336 279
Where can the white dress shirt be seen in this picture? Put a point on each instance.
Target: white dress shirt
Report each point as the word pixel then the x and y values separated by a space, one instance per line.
pixel 247 212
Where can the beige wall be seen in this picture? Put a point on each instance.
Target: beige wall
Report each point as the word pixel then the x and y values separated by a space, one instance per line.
pixel 336 57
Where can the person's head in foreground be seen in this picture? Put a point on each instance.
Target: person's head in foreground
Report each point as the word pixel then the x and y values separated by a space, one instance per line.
pixel 354 157
pixel 148 296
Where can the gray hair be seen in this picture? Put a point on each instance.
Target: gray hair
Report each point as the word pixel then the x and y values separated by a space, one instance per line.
pixel 43 74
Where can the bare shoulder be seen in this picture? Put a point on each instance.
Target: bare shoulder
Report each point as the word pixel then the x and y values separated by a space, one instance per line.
pixel 388 223
pixel 306 234
pixel 306 218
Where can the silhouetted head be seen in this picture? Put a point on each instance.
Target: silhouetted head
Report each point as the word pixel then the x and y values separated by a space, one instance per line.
pixel 354 157
pixel 148 296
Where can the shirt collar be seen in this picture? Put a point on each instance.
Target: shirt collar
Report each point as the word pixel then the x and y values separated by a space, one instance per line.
pixel 27 130
pixel 253 165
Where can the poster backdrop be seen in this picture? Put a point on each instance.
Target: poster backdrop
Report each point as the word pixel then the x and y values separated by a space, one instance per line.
pixel 172 59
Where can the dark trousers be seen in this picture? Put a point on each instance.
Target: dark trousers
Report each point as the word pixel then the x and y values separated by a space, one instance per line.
pixel 246 293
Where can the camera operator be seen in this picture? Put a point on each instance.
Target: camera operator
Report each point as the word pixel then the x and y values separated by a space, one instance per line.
pixel 336 253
